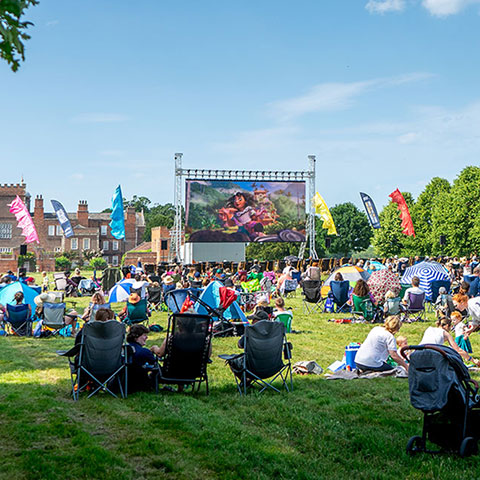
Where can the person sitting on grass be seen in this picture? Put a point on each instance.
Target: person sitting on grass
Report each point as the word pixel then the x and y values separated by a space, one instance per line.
pixel 441 334
pixel 361 290
pixel 460 302
pixel 460 329
pixel 392 304
pixel 378 346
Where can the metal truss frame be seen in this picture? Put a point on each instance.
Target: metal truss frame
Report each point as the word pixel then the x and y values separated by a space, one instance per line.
pixel 176 233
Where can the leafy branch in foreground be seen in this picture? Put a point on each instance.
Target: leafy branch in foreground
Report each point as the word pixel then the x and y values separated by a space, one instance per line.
pixel 13 30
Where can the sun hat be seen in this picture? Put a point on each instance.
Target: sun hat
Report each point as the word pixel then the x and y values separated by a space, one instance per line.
pixel 134 298
pixel 168 280
pixel 44 298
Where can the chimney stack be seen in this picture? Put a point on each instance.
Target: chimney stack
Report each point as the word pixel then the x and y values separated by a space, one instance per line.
pixel 82 213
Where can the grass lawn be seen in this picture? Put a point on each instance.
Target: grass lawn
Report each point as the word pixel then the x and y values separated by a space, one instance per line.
pixel 324 429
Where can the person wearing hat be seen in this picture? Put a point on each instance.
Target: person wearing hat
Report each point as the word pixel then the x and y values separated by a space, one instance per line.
pixel 70 317
pixel 140 285
pixel 133 299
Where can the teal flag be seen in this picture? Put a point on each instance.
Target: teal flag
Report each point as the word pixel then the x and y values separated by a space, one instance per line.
pixel 118 218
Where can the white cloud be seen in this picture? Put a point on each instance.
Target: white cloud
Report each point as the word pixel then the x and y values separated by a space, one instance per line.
pixel 112 153
pixel 52 23
pixel 77 176
pixel 409 137
pixel 100 118
pixel 444 8
pixel 383 6
pixel 336 96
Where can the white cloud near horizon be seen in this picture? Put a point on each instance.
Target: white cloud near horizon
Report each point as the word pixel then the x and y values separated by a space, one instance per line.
pixel 437 8
pixel 100 118
pixel 384 6
pixel 336 96
pixel 444 8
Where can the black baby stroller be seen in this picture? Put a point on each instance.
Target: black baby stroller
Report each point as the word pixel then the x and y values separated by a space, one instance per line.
pixel 441 387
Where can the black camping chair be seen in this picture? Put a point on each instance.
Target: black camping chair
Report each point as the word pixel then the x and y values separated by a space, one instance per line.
pixel 189 336
pixel 265 344
pixel 312 296
pixel 154 298
pixel 19 319
pixel 99 360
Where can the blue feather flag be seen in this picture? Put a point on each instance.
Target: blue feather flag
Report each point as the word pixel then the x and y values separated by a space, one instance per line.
pixel 117 223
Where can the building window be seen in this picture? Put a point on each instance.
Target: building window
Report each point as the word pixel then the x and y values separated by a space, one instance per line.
pixel 5 230
pixel 115 260
pixel 51 230
pixel 5 250
pixel 115 245
pixel 164 245
pixel 107 259
pixel 105 245
pixel 74 243
pixel 58 249
pixel 59 230
pixel 103 230
pixel 86 244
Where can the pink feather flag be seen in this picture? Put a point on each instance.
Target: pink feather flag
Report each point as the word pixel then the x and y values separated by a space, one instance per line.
pixel 25 222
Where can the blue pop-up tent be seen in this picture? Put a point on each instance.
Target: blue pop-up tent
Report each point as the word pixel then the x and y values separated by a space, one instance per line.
pixel 8 292
pixel 211 296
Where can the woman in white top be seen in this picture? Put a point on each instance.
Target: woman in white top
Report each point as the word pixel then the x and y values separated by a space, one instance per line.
pixel 440 334
pixel 379 344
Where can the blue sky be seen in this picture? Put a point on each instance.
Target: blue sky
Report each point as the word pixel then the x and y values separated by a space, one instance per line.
pixel 384 93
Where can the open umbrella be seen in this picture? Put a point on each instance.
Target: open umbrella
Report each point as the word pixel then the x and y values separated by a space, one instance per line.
pixel 378 266
pixel 350 273
pixel 427 272
pixel 381 281
pixel 120 291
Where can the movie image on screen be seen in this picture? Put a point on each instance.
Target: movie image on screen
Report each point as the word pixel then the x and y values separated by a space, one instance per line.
pixel 244 211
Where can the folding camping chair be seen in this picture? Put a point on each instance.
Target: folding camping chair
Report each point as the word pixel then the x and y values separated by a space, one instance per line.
pixel 60 280
pixel 264 345
pixel 53 317
pixel 415 309
pixel 312 296
pixel 176 298
pixel 289 288
pixel 339 291
pixel 18 319
pixel 285 318
pixel 154 298
pixel 189 336
pixel 136 312
pixel 435 286
pixel 363 308
pixel 99 359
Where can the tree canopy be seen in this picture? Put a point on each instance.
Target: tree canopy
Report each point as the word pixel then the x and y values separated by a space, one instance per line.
pixel 13 30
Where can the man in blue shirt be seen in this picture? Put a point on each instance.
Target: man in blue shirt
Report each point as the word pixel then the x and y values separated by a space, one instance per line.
pixel 474 290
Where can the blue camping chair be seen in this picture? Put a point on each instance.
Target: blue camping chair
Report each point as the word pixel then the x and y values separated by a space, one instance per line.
pixel 435 287
pixel 18 317
pixel 339 291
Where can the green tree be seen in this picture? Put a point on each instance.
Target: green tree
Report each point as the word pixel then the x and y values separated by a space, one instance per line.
pixel 98 263
pixel 270 251
pixel 389 240
pixel 354 231
pixel 62 263
pixel 158 216
pixel 13 31
pixel 427 240
pixel 139 203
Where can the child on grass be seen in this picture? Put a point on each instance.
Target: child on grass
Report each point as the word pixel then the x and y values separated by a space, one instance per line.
pixel 459 326
pixel 45 282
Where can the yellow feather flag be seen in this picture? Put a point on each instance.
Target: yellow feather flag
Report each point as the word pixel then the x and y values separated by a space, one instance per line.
pixel 322 210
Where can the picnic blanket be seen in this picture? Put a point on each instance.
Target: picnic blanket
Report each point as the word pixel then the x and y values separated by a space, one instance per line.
pixel 398 372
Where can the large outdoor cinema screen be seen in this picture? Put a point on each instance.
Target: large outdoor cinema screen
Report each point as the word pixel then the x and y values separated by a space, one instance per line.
pixel 244 211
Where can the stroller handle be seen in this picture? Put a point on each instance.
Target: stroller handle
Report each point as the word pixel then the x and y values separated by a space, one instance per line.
pixel 421 347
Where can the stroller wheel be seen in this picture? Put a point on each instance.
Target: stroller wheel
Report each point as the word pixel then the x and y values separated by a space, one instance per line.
pixel 468 447
pixel 415 445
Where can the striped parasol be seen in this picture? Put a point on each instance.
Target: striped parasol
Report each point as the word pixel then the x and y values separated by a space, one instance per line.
pixel 120 291
pixel 381 281
pixel 427 272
